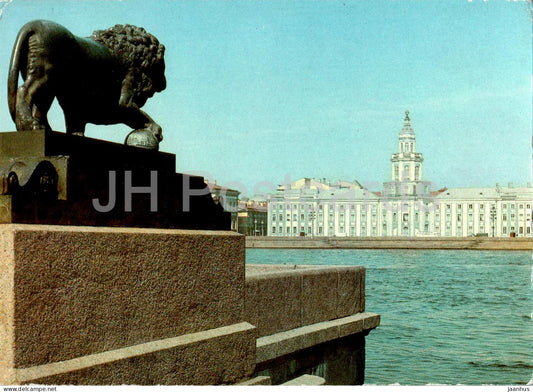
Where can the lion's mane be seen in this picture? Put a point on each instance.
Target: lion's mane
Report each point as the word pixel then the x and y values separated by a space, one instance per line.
pixel 138 50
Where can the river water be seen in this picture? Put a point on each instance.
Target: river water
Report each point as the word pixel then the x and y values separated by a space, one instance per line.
pixel 447 317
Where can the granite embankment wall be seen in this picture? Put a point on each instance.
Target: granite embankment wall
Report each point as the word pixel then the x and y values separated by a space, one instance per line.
pixel 281 298
pixel 479 243
pixel 309 320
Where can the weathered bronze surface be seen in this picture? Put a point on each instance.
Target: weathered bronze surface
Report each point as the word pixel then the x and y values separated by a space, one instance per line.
pixel 47 177
pixel 103 79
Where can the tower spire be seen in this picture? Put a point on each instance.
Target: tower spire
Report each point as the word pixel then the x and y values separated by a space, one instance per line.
pixel 407 163
pixel 407 130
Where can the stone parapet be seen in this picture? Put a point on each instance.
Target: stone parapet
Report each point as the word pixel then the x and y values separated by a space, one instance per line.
pixel 282 298
pixel 310 320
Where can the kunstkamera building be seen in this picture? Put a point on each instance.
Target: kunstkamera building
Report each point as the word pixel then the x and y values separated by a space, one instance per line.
pixel 406 206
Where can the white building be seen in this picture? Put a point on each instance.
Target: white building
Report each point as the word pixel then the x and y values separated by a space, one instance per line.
pixel 406 206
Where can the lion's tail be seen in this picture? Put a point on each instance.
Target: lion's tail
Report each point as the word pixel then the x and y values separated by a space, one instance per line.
pixel 20 51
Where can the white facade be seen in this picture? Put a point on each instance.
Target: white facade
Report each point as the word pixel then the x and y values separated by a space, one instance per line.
pixel 407 206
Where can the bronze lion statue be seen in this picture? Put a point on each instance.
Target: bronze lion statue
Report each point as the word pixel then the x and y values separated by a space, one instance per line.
pixel 103 79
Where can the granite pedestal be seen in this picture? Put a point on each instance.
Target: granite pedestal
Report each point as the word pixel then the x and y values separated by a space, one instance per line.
pixel 94 305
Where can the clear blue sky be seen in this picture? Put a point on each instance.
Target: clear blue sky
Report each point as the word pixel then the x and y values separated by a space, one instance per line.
pixel 261 90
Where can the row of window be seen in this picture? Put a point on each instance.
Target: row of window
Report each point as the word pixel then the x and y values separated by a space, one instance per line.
pixel 406 172
pixel 426 215
pixel 320 231
pixel 482 217
pixel 374 206
pixel 310 207
pixel 404 216
pixel 482 206
pixel 363 229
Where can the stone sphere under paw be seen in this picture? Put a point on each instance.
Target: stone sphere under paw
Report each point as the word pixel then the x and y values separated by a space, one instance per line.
pixel 142 138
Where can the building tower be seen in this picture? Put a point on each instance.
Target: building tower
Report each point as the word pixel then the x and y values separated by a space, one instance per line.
pixel 403 195
pixel 406 165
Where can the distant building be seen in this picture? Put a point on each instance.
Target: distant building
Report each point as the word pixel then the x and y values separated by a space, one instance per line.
pixel 253 217
pixel 406 206
pixel 229 199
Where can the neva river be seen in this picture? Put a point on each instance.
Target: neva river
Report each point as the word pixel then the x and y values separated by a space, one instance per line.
pixel 447 317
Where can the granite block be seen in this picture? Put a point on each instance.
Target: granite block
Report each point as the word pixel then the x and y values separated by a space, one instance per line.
pixel 319 333
pixel 266 348
pixel 288 342
pixel 279 297
pixel 352 325
pixel 219 356
pixel 362 291
pixel 305 380
pixel 259 380
pixel 349 291
pixel 372 321
pixel 75 291
pixel 7 307
pixel 319 295
pixel 273 302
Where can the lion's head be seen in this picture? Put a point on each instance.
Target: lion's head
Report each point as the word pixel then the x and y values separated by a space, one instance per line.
pixel 140 51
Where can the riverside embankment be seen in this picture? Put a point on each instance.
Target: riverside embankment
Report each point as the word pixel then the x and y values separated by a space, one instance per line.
pixel 477 243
